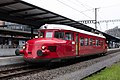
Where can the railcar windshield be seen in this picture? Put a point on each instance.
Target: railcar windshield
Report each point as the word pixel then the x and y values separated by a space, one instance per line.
pixel 41 34
pixel 49 34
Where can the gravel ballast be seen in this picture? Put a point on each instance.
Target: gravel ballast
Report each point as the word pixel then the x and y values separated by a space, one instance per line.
pixel 54 73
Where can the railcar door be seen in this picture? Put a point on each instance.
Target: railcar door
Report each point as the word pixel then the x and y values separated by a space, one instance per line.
pixel 77 45
pixel 69 46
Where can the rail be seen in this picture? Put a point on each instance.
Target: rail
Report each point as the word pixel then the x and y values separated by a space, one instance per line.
pixel 6 74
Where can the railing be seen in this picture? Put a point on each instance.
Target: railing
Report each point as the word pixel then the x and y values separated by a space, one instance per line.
pixel 10 46
pixel 18 28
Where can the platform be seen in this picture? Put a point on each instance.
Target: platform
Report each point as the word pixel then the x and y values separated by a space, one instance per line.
pixel 11 60
pixel 7 52
pixel 113 49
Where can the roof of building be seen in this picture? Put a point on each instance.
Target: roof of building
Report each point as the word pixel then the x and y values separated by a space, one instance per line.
pixel 21 12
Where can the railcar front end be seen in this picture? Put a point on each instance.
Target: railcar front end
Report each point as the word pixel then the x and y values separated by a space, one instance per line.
pixel 41 50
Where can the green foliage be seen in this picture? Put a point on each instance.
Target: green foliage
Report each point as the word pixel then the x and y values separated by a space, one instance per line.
pixel 110 73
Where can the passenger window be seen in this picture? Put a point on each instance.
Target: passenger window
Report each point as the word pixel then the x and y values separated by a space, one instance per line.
pixel 94 42
pixel 68 36
pixel 49 34
pixel 97 42
pixel 91 41
pixel 101 43
pixel 82 41
pixel 86 41
pixel 59 34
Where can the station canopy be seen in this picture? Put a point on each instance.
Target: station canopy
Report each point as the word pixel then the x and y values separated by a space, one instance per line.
pixel 21 12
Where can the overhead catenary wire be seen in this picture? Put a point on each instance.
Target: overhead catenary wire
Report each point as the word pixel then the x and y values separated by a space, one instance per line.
pixel 74 8
pixel 111 6
pixel 107 7
pixel 90 9
pixel 77 4
pixel 83 4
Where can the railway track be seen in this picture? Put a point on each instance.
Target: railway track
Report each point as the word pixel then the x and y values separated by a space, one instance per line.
pixel 70 67
pixel 43 71
pixel 19 71
pixel 92 69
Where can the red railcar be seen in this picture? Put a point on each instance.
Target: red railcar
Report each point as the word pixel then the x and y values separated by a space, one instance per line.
pixel 56 42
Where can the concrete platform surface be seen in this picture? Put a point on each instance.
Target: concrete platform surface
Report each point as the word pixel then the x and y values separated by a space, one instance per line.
pixel 11 60
pixel 7 52
pixel 113 49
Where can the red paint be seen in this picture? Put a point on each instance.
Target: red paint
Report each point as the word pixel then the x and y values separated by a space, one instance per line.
pixel 64 48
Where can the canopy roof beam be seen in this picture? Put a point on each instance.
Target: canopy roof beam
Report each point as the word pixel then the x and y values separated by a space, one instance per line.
pixel 8 3
pixel 20 10
pixel 31 15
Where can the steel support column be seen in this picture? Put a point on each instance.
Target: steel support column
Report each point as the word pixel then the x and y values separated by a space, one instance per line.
pixel 32 29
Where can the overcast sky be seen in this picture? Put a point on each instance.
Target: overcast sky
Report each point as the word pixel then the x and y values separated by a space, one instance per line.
pixel 84 10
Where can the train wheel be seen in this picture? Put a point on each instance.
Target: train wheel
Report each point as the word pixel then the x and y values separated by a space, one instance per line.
pixel 103 54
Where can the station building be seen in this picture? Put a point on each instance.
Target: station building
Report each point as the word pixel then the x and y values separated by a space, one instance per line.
pixel 14 35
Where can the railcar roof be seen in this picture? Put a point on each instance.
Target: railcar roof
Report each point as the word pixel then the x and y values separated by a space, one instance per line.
pixel 65 27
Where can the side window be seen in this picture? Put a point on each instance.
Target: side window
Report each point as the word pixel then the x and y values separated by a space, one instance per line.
pixel 97 42
pixel 91 41
pixel 68 36
pixel 86 41
pixel 94 43
pixel 82 41
pixel 58 34
pixel 101 43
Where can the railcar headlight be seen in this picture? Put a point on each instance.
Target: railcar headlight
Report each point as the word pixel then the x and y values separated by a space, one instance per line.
pixel 23 47
pixel 43 47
